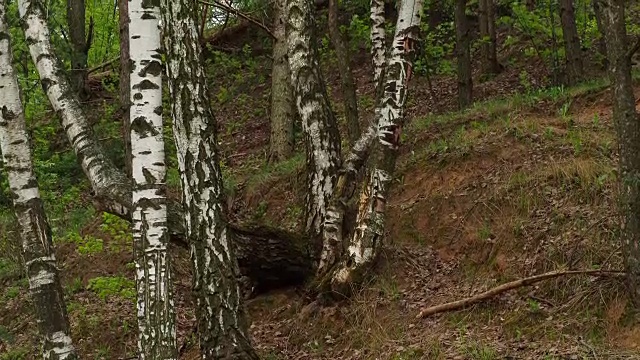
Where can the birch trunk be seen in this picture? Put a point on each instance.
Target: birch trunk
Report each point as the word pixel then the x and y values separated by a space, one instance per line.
pixel 378 40
pixel 627 125
pixel 222 322
pixel 282 106
pixel 156 314
pixel 108 183
pixel 37 248
pixel 365 245
pixel 318 121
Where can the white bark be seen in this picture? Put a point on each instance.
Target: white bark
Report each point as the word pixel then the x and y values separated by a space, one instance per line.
pixel 378 39
pixel 37 248
pixel 366 242
pixel 107 182
pixel 318 121
pixel 223 331
pixel 156 316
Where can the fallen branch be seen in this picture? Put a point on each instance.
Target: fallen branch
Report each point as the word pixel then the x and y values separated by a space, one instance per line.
pixel 460 304
pixel 239 13
pixel 103 65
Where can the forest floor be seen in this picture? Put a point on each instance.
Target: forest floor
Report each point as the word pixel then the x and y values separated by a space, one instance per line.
pixel 520 184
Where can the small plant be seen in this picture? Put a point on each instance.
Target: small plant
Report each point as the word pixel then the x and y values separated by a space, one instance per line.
pixel 105 286
pixel 91 246
pixel 12 292
pixel 534 306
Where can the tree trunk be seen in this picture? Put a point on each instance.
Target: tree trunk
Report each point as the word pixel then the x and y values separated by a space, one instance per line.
pixel 156 313
pixel 125 97
pixel 488 36
pixel 364 247
pixel 572 46
pixel 378 40
pixel 627 125
pixel 282 106
pixel 463 51
pixel 37 248
pixel 346 76
pixel 602 45
pixel 318 121
pixel 79 46
pixel 222 323
pixel 531 5
pixel 109 184
pixel 436 13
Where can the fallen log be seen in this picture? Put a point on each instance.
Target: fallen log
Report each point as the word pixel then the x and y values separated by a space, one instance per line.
pixel 460 304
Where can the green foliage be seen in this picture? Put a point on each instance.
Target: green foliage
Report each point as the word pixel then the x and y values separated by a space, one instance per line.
pixel 438 46
pixel 117 286
pixel 15 354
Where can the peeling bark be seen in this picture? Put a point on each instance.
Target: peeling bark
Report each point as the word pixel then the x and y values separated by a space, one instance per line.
pixel 318 121
pixel 346 76
pixel 572 46
pixel 378 40
pixel 627 125
pixel 281 142
pixel 37 247
pixel 155 305
pixel 366 242
pixel 222 323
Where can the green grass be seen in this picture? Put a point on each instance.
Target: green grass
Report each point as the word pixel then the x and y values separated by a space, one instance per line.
pixel 108 286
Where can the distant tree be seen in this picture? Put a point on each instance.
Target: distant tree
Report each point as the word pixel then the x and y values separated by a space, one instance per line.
pixel 281 142
pixel 80 45
pixel 488 37
pixel 37 248
pixel 222 325
pixel 463 55
pixel 346 75
pixel 571 42
pixel 627 124
pixel 124 81
pixel 156 313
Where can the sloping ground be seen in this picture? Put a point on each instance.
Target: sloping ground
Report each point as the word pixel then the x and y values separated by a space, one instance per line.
pixel 510 188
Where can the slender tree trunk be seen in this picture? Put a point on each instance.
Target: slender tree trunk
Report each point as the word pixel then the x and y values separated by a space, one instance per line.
pixel 79 46
pixel 571 42
pixel 531 5
pixel 627 125
pixel 436 13
pixel 488 37
pixel 602 46
pixel 378 40
pixel 463 50
pixel 282 106
pixel 346 76
pixel 125 97
pixel 318 121
pixel 222 322
pixel 37 248
pixel 109 184
pixel 364 247
pixel 156 313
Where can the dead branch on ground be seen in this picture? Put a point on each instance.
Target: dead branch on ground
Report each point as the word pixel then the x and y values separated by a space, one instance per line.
pixel 460 304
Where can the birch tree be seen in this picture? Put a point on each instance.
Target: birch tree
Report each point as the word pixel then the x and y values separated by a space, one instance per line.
pixel 37 247
pixel 318 120
pixel 366 242
pixel 222 324
pixel 156 316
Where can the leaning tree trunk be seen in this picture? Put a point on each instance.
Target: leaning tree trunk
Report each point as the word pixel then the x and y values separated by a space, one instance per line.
pixel 346 76
pixel 37 248
pixel 571 42
pixel 463 51
pixel 627 125
pixel 488 36
pixel 109 184
pixel 79 46
pixel 364 247
pixel 124 87
pixel 156 313
pixel 222 323
pixel 281 142
pixel 318 121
